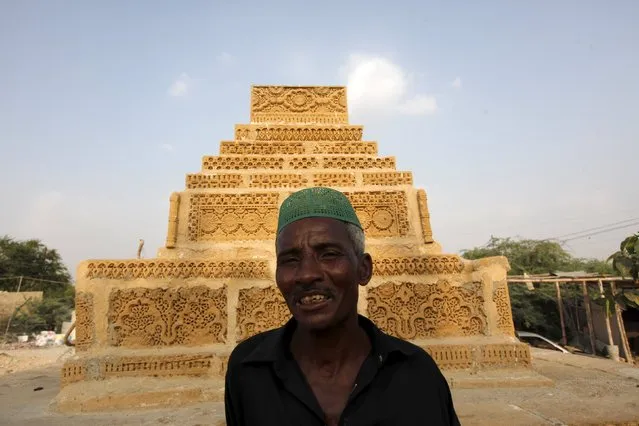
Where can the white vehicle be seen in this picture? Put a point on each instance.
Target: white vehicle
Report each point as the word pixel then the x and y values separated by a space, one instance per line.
pixel 538 341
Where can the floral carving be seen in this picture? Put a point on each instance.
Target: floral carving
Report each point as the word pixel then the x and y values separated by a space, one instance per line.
pixel 504 311
pixel 424 216
pixel 219 217
pixel 382 213
pixel 334 179
pixel 417 311
pixel 140 317
pixel 278 180
pixel 84 321
pixel 260 309
pixel 367 148
pixel 167 269
pixel 241 163
pixel 419 265
pixel 262 148
pixel 278 104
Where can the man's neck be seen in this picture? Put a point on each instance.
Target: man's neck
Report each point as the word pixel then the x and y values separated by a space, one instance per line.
pixel 330 348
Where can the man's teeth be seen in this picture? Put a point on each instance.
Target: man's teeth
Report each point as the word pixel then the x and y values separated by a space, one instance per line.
pixel 316 298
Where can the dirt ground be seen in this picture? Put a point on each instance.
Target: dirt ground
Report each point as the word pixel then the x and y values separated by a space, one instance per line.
pixel 587 391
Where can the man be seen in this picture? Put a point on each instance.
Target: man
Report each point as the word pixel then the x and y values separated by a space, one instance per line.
pixel 328 365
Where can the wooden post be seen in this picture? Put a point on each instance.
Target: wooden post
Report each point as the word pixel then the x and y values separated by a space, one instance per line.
pixel 606 316
pixel 560 305
pixel 622 328
pixel 591 329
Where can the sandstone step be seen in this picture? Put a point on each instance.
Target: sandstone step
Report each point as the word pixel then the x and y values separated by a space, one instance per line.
pixel 222 180
pixel 247 162
pixel 288 132
pixel 297 147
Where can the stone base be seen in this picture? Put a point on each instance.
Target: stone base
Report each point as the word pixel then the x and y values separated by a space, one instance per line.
pixel 117 378
pixel 137 393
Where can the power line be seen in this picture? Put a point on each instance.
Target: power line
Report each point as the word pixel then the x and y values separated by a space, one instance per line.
pixel 601 232
pixel 595 228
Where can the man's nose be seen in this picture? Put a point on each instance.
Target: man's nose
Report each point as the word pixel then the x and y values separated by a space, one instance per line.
pixel 309 270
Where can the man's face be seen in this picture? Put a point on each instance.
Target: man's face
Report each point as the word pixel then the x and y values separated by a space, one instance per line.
pixel 318 272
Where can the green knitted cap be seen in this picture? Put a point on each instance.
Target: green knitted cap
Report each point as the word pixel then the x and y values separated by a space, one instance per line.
pixel 316 202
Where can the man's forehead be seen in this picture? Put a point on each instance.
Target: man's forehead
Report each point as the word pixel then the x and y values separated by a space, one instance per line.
pixel 316 230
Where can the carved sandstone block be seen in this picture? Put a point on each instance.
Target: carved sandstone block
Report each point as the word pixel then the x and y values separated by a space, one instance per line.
pixel 388 178
pixel 224 217
pixel 84 322
pixel 190 316
pixel 260 309
pixel 203 181
pixel 417 311
pixel 294 133
pixel 382 213
pixel 169 269
pixel 504 311
pixel 277 104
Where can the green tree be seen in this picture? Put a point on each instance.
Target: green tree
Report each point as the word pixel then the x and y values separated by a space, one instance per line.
pixel 537 310
pixel 37 268
pixel 626 260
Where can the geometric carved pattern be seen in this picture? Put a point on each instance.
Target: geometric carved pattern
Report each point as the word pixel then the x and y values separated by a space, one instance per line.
pixel 388 178
pixel 199 181
pixel 172 365
pixel 84 322
pixel 261 148
pixel 222 217
pixel 505 355
pixel 369 148
pixel 167 269
pixel 451 357
pixel 276 104
pixel 72 371
pixel 504 312
pixel 359 162
pixel 303 163
pixel 141 317
pixel 260 309
pixel 279 180
pixel 255 132
pixel 418 311
pixel 381 213
pixel 424 265
pixel 241 163
pixel 334 179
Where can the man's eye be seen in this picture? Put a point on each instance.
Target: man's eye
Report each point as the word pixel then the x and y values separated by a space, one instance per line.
pixel 330 254
pixel 287 260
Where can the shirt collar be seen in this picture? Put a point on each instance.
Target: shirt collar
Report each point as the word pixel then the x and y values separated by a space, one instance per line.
pixel 274 346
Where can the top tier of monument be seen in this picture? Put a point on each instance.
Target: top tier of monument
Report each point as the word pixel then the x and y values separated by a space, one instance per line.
pixel 297 137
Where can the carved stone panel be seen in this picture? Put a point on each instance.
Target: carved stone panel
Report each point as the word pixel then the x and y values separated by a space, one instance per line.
pixel 223 217
pixel 167 269
pixel 418 265
pixel 277 104
pixel 388 178
pixel 260 309
pixel 261 148
pixel 424 216
pixel 199 181
pixel 347 163
pixel 84 321
pixel 278 180
pixel 270 132
pixel 416 310
pixel 190 316
pixel 504 311
pixel 334 179
pixel 241 163
pixel 382 213
pixel 369 148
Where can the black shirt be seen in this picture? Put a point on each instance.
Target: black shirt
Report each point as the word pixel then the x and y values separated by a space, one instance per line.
pixel 398 384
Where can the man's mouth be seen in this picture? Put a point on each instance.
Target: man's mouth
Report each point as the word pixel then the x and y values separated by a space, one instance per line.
pixel 313 298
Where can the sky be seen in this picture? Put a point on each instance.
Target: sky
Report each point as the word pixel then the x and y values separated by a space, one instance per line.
pixel 519 119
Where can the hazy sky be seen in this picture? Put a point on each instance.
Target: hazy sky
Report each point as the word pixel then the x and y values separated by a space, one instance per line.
pixel 519 118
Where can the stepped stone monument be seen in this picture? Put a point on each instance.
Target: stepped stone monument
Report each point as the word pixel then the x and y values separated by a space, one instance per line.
pixel 159 331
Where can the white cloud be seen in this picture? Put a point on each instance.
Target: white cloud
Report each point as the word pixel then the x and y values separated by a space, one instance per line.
pixel 457 83
pixel 166 147
pixel 225 58
pixel 377 84
pixel 181 86
pixel 419 105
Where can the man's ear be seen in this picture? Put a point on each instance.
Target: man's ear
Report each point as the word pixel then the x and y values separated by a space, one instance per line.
pixel 365 272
